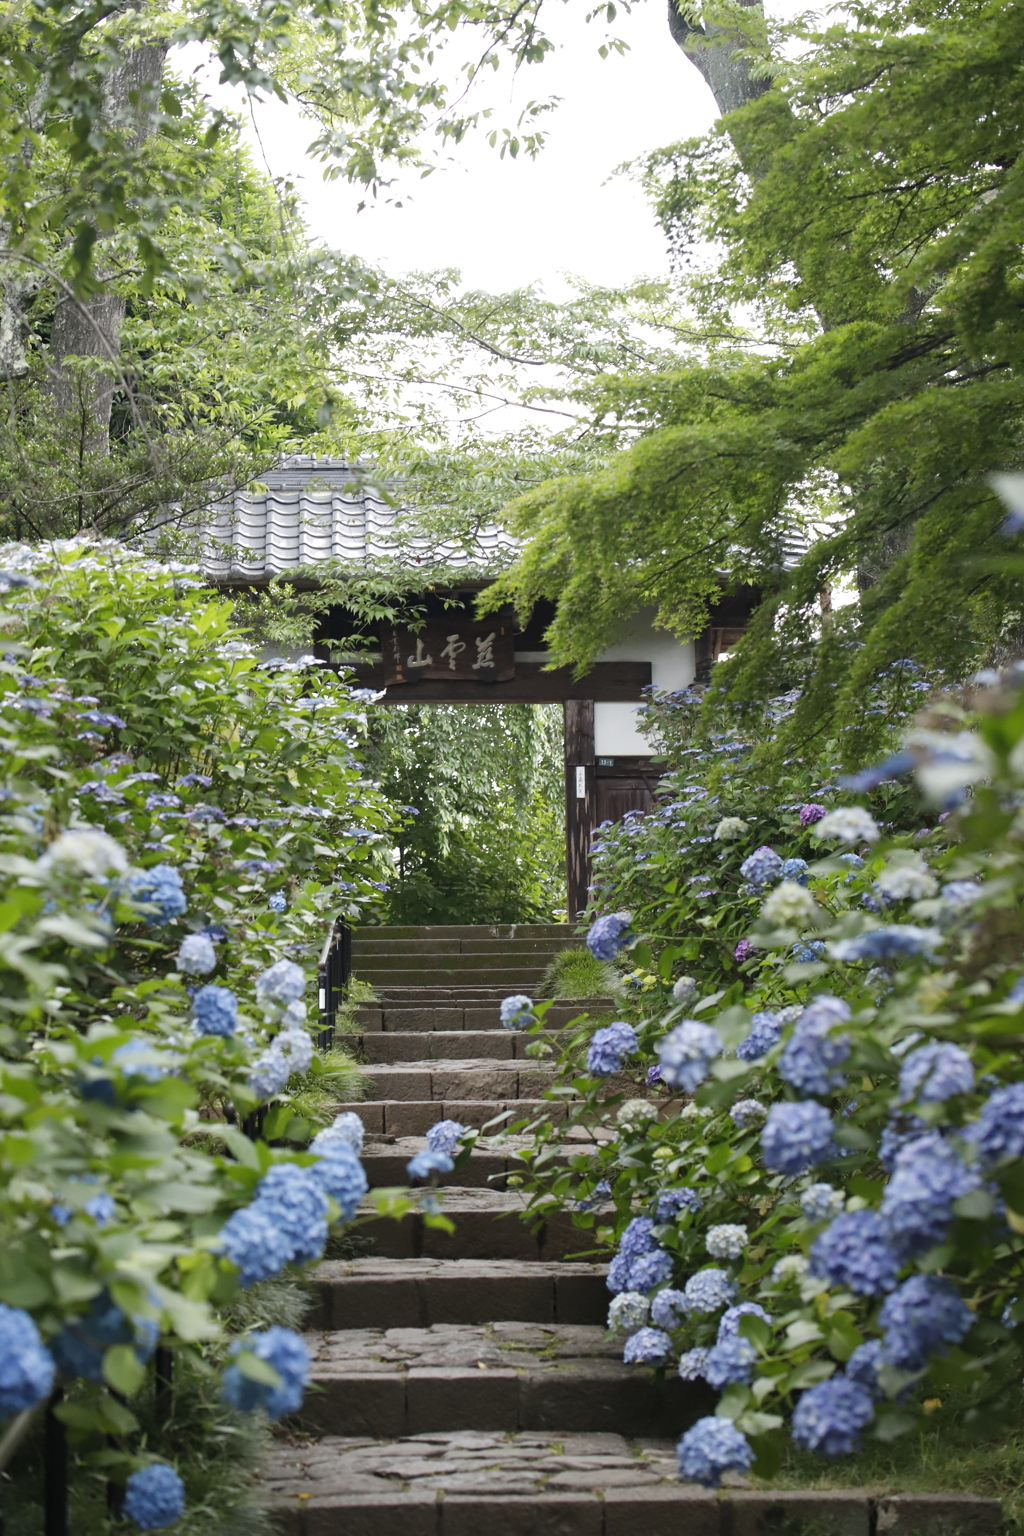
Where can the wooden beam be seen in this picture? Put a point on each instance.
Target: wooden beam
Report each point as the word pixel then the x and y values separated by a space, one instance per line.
pixel 607 682
pixel 579 801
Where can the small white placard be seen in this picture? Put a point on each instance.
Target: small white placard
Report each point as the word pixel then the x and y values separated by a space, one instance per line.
pixel 581 783
pixel 323 998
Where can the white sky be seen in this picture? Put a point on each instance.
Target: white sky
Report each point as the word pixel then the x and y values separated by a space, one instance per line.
pixel 507 223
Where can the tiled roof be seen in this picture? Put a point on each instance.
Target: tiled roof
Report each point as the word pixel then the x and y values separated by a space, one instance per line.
pixel 313 510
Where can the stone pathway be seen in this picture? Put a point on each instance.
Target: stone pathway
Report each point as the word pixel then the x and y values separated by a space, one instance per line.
pixel 464 1385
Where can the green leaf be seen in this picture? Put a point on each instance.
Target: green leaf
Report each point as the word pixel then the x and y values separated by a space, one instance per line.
pixel 123 1370
pixel 843 1336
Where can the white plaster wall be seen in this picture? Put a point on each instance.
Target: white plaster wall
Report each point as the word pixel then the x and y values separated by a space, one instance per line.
pixel 673 666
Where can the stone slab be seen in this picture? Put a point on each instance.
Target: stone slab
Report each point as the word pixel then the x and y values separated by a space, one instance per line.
pixel 839 1512
pixel 938 1514
pixel 417 1293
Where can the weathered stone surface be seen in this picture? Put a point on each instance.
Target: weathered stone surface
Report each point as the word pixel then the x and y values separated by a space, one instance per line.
pixel 843 1512
pixel 938 1514
pixel 418 1292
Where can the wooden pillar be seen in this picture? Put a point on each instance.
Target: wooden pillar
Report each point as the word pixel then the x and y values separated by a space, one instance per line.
pixel 579 800
pixel 704 656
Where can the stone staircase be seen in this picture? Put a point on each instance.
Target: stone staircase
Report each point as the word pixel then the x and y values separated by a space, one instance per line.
pixel 464 1384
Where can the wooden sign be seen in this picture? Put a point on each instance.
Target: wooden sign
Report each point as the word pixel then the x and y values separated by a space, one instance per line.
pixel 459 652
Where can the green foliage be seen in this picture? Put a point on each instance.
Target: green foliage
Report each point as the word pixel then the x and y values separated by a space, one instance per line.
pixel 482 785
pixel 575 973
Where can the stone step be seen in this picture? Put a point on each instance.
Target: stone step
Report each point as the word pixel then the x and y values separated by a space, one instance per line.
pixel 415 1013
pixel 385 1162
pixel 467 931
pixel 489 1224
pixel 504 1376
pixel 414 1117
pixel 445 997
pixel 464 948
pixel 419 1293
pixel 449 1044
pixel 517 977
pixel 462 965
pixel 551 1484
pixel 466 1079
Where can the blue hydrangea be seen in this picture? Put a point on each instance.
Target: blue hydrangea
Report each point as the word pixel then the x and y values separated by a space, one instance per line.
pixel 692 1363
pixel 897 1135
pixel 669 1202
pixel 516 1012
pixel 887 943
pixel 79 1347
pixel 762 867
pixel 924 1317
pixel 934 1073
pixel 269 1073
pixel 618 1274
pixel 252 1240
pixel 650 1269
pixel 608 935
pixel 602 1193
pixel 648 1346
pixel 638 1238
pixel 708 1291
pixel 608 1047
pixel 444 1136
pixel 215 1010
pixel 427 1162
pixel 999 1129
pixel 797 1136
pixel 807 954
pixel 729 1323
pixel 812 1053
pixel 709 1448
pixel 668 1308
pixel 196 955
pixel 277 902
pixel 746 1112
pixel 854 1252
pixel 286 1353
pixel 917 1205
pixel 829 1417
pixel 102 1208
pixel 687 1052
pixel 731 1359
pixel 795 869
pixel 345 1130
pixel 26 1367
pixel 299 1206
pixel 154 1497
pixel 281 984
pixel 158 892
pixel 765 1032
pixel 864 1364
pixel 340 1174
pixel 959 894
pixel 821 1202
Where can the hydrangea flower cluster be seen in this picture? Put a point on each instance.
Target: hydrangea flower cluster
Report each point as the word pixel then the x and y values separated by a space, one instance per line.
pixel 158 893
pixel 346 1130
pixel 26 1366
pixel 516 1012
pixel 708 1291
pixel 196 955
pixel 648 1346
pixel 286 1353
pixel 854 1252
pixel 341 1175
pixel 728 1240
pixel 729 1322
pixel 730 828
pixel 684 990
pixel 427 1162
pixel 79 1348
pixel 934 1073
pixel 669 1202
pixel 668 1308
pixel 850 824
pixel 924 1317
pixel 609 1046
pixel 791 906
pixel 809 814
pixel 906 882
pixel 444 1136
pixel 687 1052
pixel 629 1310
pixel 280 984
pixel 886 943
pixel 214 1010
pixel 797 870
pixel 635 1113
pixel 731 1359
pixel 812 1053
pixel 797 1136
pixel 917 1206
pixel 762 867
pixel 154 1497
pixel 608 935
pixel 709 1448
pixel 820 1202
pixel 765 1032
pixel 285 1224
pixel 829 1418
pixel 747 1112
pixel 692 1363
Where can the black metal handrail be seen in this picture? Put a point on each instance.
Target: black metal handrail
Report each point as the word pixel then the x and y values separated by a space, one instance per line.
pixel 334 972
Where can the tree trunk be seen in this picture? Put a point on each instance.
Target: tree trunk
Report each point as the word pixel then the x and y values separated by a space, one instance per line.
pixel 715 51
pixel 90 329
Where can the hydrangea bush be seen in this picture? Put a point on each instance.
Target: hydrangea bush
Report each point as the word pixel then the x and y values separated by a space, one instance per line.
pixel 160 781
pixel 824 1212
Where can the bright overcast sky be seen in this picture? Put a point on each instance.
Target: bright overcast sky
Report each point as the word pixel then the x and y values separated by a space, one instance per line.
pixel 506 223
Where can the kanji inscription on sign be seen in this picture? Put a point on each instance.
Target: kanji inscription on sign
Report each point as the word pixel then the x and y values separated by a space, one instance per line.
pixel 470 653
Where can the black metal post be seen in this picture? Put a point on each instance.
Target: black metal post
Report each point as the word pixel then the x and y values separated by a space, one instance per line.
pixel 334 972
pixel 55 1470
